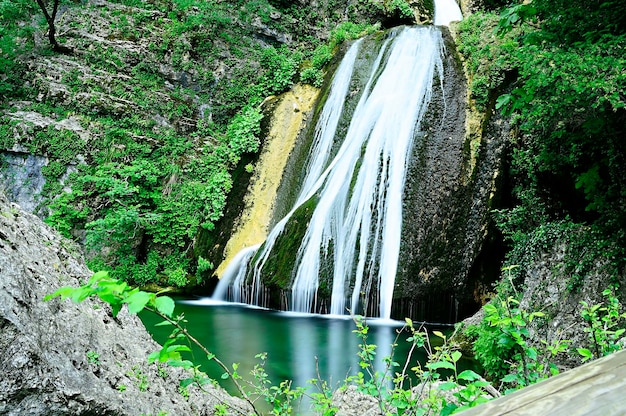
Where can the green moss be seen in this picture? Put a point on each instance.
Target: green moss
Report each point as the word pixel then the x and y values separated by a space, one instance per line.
pixel 278 270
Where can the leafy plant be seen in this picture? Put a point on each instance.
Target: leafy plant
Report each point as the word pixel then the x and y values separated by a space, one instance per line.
pixel 393 386
pixel 555 78
pixel 468 387
pixel 606 326
pixel 93 357
pixel 502 344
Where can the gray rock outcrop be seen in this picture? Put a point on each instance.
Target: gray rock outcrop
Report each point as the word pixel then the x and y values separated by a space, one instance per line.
pixel 62 358
pixel 547 289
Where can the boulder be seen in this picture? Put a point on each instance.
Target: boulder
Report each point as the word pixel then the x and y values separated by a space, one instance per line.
pixel 62 358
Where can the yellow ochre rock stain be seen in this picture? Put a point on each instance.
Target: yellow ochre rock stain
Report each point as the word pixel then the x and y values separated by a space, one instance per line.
pixel 287 120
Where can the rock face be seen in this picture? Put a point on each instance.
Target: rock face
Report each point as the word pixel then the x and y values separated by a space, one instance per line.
pixel 22 178
pixel 546 289
pixel 62 358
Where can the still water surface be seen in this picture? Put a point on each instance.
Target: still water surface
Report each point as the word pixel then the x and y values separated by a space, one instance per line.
pixel 298 346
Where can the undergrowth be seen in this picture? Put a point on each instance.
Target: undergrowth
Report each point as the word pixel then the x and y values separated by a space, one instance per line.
pixel 434 387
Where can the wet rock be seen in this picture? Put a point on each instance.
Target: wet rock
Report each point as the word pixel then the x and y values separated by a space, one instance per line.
pixel 351 402
pixel 22 178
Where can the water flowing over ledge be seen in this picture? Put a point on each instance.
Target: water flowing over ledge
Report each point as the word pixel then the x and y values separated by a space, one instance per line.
pixel 359 237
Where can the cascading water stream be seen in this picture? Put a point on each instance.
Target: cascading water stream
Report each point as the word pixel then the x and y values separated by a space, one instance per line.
pixel 357 221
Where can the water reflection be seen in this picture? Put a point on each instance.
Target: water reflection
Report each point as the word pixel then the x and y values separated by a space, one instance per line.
pixel 299 347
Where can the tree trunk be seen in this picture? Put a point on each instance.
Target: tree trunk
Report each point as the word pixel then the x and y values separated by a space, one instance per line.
pixel 50 17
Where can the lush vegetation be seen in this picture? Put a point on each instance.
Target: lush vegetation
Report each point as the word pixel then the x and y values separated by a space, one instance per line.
pixel 160 127
pixel 511 358
pixel 557 70
pixel 167 124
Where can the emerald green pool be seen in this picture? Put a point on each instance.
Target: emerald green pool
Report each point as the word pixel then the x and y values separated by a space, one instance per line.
pixel 298 346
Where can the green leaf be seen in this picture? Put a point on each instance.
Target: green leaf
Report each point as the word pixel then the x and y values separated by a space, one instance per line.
pixel 186 382
pixel 180 363
pixel 490 309
pixel 456 356
pixel 97 276
pixel 448 385
pixel 503 101
pixel 178 347
pixel 153 356
pixel 115 309
pixel 510 378
pixel 440 364
pixel 165 305
pixel 225 376
pixel 468 375
pixel 585 353
pixel 137 301
pixel 64 292
pixel 439 334
pixel 81 294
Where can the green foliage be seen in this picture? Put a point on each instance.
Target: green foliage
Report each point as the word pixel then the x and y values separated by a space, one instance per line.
pixel 141 380
pixel 313 70
pixel 488 59
pixel 15 39
pixel 349 30
pixel 501 341
pixel 467 387
pixel 93 357
pixel 116 293
pixel 529 231
pixel 177 277
pixel 243 133
pixel 606 326
pixel 558 76
pixel 510 323
pixel 281 67
pixel 436 387
pixel 400 8
pixel 557 72
pixel 312 76
pixel 392 8
pixel 156 168
pixel 393 387
pixel 203 268
pixel 7 135
pixel 322 56
pixel 502 345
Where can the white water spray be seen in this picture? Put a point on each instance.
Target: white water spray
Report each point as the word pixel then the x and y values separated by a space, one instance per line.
pixel 446 11
pixel 357 222
pixel 358 218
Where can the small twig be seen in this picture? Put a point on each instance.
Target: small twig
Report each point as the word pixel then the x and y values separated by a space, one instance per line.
pixel 208 353
pixel 490 388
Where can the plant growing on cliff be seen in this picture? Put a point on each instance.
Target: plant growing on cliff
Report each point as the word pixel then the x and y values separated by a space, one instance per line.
pixel 606 325
pixel 502 342
pixel 117 293
pixel 555 69
pixel 439 387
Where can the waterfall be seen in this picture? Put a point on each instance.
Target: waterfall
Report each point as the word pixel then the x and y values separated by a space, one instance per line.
pixel 234 276
pixel 446 11
pixel 358 216
pixel 354 231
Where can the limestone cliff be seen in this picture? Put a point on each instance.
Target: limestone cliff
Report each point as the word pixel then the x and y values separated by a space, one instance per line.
pixel 62 358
